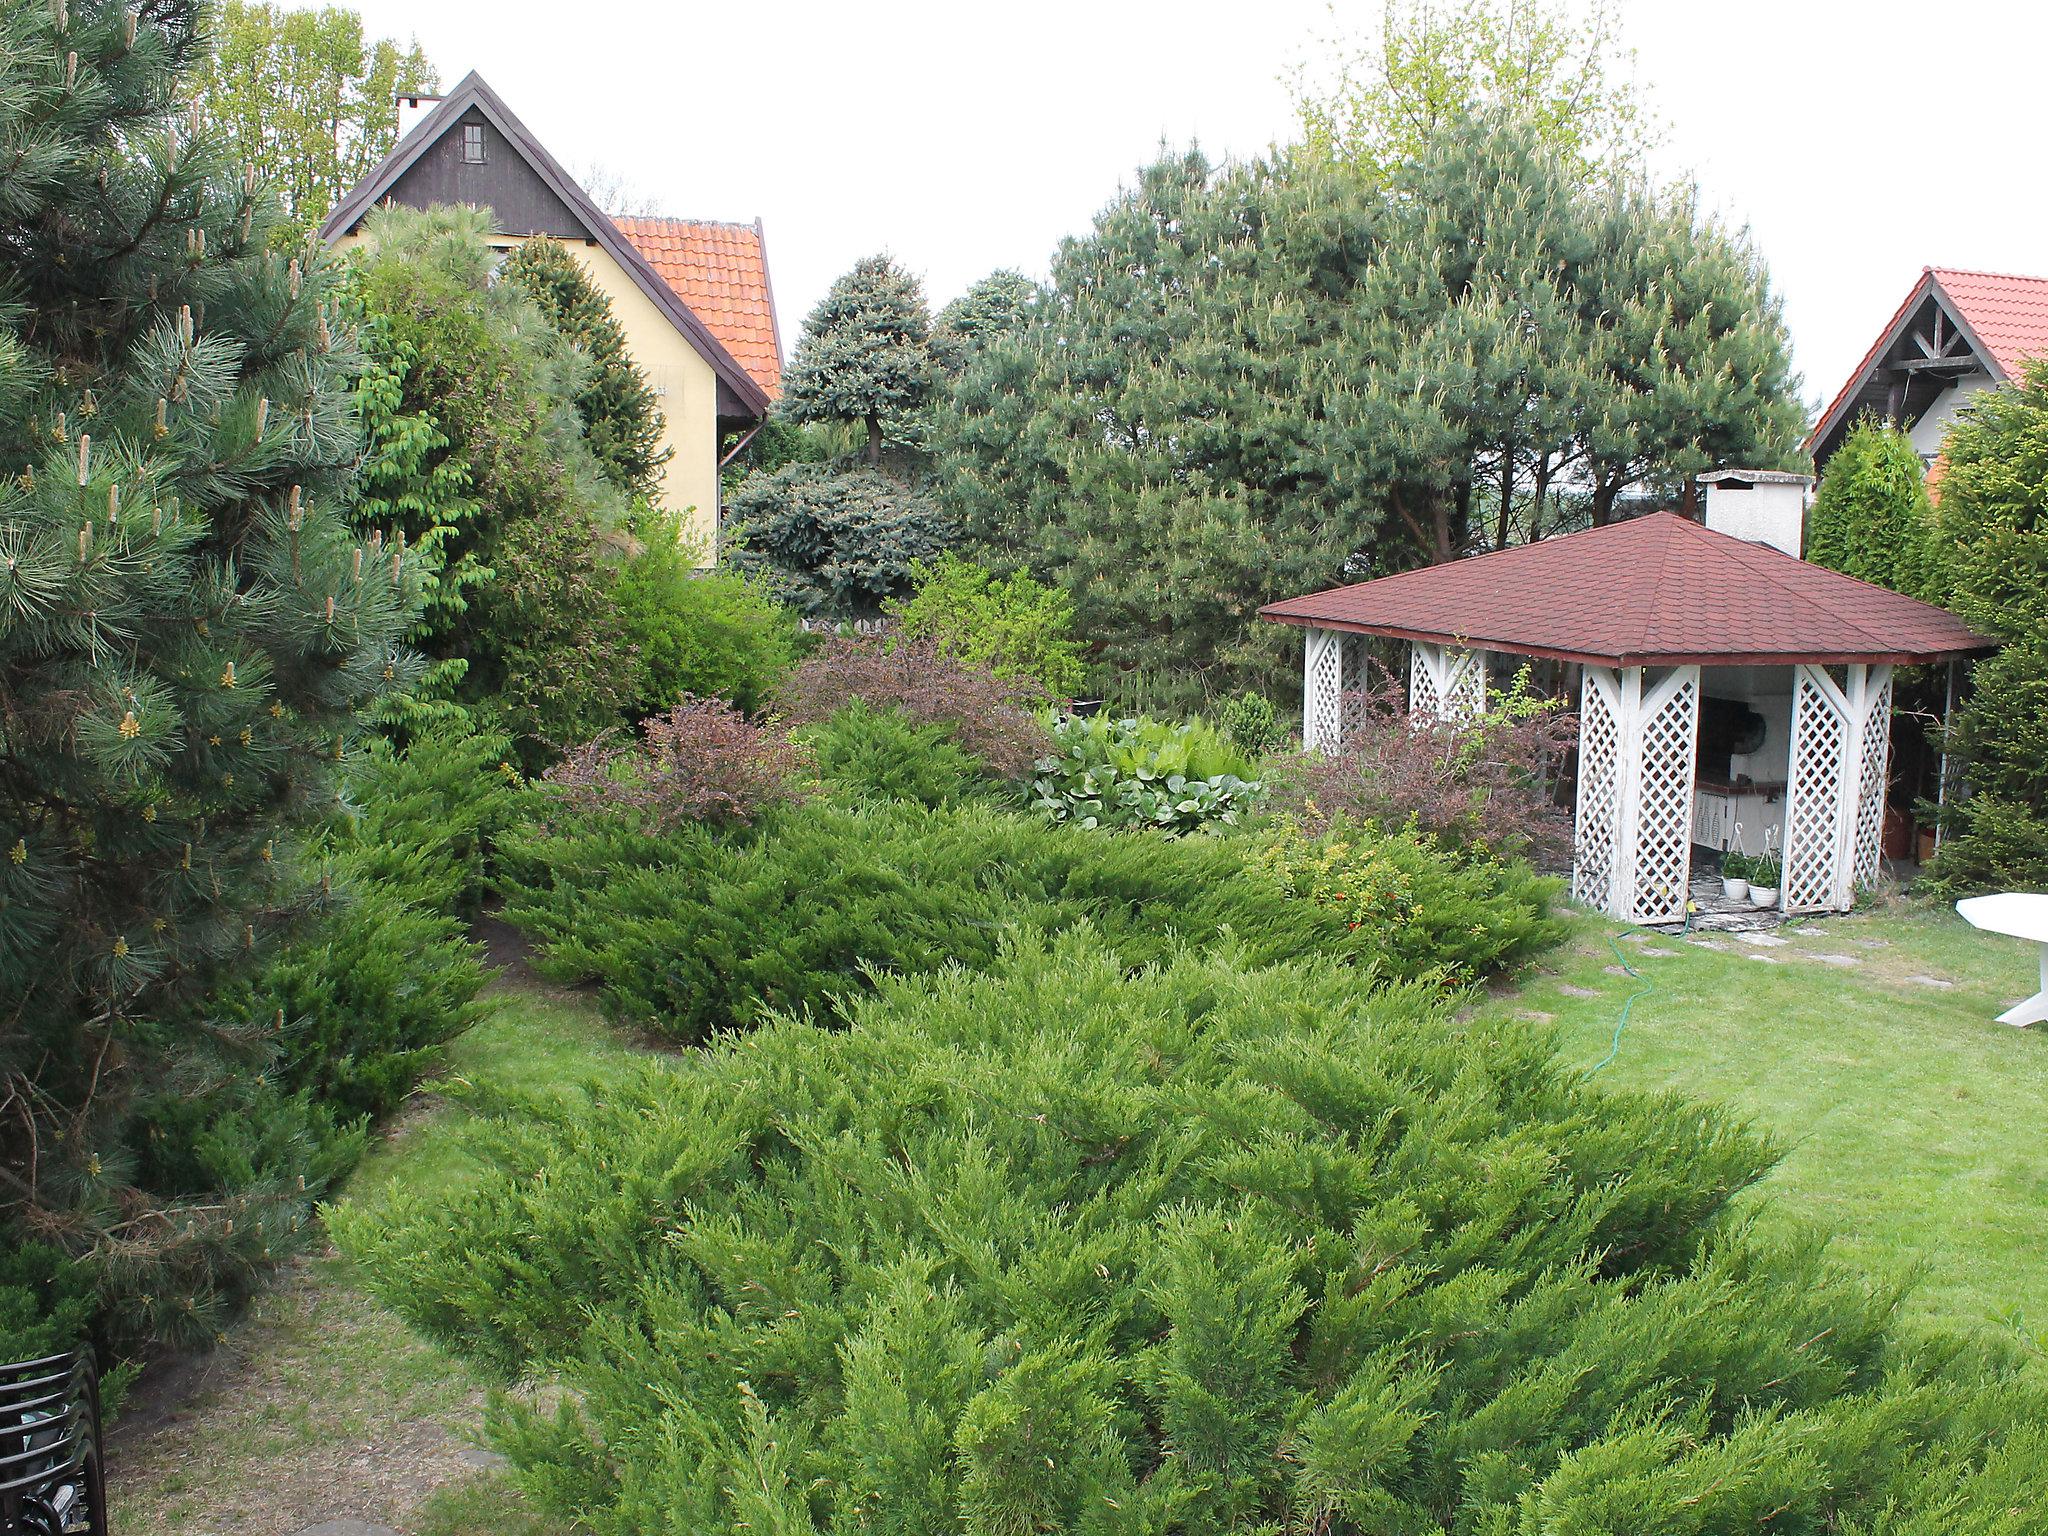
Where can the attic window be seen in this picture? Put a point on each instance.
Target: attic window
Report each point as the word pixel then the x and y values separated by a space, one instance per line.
pixel 472 143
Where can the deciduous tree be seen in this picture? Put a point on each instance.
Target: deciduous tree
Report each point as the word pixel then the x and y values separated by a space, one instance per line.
pixel 304 96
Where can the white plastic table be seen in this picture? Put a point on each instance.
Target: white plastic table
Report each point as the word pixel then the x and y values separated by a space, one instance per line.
pixel 2024 916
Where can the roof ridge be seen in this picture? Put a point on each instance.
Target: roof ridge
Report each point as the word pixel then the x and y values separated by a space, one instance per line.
pixel 676 218
pixel 2008 277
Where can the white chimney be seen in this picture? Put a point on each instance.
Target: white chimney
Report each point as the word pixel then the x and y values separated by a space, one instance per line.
pixel 411 109
pixel 1763 506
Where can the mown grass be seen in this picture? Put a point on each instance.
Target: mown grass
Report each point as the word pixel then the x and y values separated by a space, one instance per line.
pixel 1915 1126
pixel 321 1404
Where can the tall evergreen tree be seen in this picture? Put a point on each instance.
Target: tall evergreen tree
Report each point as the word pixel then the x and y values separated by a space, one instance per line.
pixel 1872 519
pixel 189 625
pixel 865 356
pixel 621 417
pixel 992 308
pixel 1992 568
pixel 1265 380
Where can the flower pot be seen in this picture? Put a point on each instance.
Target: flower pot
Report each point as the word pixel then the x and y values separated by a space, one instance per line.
pixel 1735 889
pixel 1761 896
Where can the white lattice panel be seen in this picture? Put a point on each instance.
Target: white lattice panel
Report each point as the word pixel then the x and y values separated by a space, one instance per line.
pixel 1424 701
pixel 1356 681
pixel 1444 683
pixel 1813 795
pixel 1597 826
pixel 1876 771
pixel 1666 754
pixel 1322 708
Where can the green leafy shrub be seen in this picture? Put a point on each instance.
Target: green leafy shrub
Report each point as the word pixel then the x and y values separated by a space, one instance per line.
pixel 881 754
pixel 1105 772
pixel 1413 907
pixel 46 1302
pixel 692 932
pixel 1871 518
pixel 1249 720
pixel 707 633
pixel 1192 1250
pixel 1012 626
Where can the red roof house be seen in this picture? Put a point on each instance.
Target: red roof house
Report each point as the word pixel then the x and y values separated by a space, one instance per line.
pixel 1956 332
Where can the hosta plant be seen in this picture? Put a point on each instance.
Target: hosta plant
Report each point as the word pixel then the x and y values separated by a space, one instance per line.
pixel 1143 773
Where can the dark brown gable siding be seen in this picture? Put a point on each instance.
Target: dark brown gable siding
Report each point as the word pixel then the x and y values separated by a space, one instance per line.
pixel 505 183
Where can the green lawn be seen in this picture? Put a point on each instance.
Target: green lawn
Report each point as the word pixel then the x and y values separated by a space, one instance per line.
pixel 321 1405
pixel 1914 1125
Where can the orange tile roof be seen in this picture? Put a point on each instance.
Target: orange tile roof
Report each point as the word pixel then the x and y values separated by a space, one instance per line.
pixel 2008 313
pixel 721 272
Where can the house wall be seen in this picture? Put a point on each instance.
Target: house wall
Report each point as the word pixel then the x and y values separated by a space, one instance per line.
pixel 684 382
pixel 1927 433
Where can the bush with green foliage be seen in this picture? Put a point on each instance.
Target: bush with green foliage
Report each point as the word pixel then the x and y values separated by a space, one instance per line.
pixel 709 633
pixel 1872 518
pixel 839 543
pixel 1416 908
pixel 477 454
pixel 1154 774
pixel 425 821
pixel 863 753
pixel 1250 720
pixel 1994 573
pixel 1011 626
pixel 691 932
pixel 1193 1249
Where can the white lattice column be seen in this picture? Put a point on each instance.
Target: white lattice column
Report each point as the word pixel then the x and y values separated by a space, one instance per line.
pixel 1867 769
pixel 1322 695
pixel 1637 750
pixel 1445 682
pixel 1596 828
pixel 1835 792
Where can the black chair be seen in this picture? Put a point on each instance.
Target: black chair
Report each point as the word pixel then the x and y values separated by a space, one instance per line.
pixel 51 1483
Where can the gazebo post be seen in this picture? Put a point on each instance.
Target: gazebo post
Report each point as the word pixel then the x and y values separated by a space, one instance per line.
pixel 1834 804
pixel 1322 690
pixel 1632 834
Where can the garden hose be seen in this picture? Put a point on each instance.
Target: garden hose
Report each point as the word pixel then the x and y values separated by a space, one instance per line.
pixel 1648 986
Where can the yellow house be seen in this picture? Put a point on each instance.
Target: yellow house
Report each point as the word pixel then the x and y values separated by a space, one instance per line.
pixel 692 297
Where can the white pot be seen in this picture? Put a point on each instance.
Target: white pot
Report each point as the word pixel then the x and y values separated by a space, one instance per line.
pixel 1761 896
pixel 1734 890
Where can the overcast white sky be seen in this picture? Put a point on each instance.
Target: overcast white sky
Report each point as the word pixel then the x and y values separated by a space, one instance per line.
pixel 1860 139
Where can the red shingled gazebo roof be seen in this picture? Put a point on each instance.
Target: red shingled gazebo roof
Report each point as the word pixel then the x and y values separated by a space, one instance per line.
pixel 1654 591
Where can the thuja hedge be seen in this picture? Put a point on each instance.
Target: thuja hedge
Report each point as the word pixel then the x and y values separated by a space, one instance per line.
pixel 695 930
pixel 1055 1247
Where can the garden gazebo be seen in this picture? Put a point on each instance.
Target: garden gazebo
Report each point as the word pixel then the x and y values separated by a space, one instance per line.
pixel 1719 681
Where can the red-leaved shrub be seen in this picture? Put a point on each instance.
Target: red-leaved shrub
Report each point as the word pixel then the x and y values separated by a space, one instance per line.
pixel 1491 784
pixel 993 717
pixel 702 761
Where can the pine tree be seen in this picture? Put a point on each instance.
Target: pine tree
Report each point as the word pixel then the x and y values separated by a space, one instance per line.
pixel 189 624
pixel 996 306
pixel 621 419
pixel 1872 519
pixel 865 355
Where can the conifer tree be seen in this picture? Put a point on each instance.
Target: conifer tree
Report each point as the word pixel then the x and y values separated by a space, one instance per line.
pixel 996 306
pixel 189 624
pixel 621 419
pixel 865 356
pixel 1872 519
